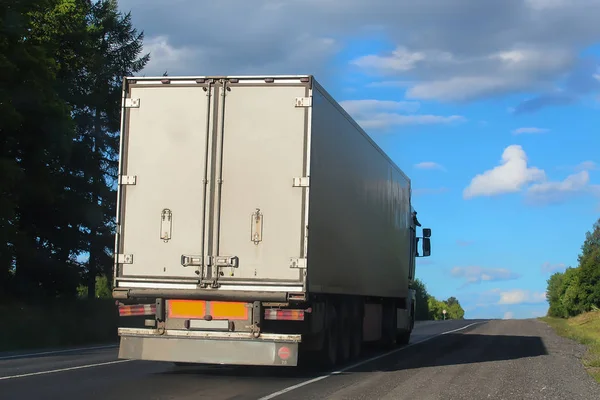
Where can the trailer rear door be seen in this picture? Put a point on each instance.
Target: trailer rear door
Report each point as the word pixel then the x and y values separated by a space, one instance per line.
pixel 163 183
pixel 214 184
pixel 260 210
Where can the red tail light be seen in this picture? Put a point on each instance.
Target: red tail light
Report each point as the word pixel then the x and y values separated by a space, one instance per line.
pixel 284 315
pixel 137 309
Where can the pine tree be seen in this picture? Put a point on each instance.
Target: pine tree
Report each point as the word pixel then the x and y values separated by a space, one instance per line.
pixel 113 52
pixel 37 132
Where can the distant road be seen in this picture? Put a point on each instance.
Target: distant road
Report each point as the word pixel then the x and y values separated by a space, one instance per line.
pixel 472 359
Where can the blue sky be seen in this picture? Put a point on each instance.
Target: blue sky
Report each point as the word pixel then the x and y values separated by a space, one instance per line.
pixel 495 121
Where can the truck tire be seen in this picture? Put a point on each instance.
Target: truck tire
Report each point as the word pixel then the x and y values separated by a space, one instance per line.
pixel 389 328
pixel 356 331
pixel 403 338
pixel 328 355
pixel 344 332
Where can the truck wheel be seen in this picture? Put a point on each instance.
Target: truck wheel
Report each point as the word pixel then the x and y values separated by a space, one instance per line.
pixel 344 332
pixel 389 329
pixel 356 332
pixel 330 348
pixel 328 356
pixel 403 338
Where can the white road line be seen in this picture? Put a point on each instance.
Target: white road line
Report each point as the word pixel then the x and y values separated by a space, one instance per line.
pixel 46 353
pixel 351 367
pixel 2 378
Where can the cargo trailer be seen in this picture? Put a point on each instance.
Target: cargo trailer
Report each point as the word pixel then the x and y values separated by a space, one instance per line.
pixel 257 224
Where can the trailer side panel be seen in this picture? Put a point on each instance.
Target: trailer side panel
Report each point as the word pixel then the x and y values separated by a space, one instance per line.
pixel 359 223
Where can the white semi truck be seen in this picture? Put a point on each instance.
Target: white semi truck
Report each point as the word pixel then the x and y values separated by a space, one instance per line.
pixel 257 224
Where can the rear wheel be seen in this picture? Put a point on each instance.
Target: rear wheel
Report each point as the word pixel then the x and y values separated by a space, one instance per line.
pixel 328 356
pixel 389 328
pixel 356 331
pixel 330 351
pixel 403 338
pixel 344 332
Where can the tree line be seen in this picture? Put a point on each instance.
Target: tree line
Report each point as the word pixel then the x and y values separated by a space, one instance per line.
pixel 430 308
pixel 62 64
pixel 577 290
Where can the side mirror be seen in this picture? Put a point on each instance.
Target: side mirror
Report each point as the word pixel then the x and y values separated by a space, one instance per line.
pixel 426 247
pixel 426 232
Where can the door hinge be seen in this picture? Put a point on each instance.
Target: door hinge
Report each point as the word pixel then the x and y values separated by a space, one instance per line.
pixel 297 262
pixel 132 103
pixel 128 179
pixel 124 258
pixel 303 101
pixel 302 181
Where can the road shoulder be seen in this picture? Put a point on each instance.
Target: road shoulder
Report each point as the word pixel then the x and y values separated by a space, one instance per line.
pixel 585 330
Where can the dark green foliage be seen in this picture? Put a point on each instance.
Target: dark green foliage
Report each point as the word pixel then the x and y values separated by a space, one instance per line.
pixel 421 306
pixel 430 308
pixel 63 323
pixel 61 68
pixel 37 134
pixel 577 290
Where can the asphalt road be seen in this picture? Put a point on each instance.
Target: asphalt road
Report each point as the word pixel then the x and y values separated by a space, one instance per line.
pixel 514 359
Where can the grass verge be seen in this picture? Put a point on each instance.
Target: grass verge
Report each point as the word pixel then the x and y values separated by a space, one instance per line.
pixel 58 324
pixel 585 329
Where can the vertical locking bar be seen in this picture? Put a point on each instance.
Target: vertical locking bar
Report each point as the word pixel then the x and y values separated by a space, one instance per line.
pixel 257 227
pixel 166 224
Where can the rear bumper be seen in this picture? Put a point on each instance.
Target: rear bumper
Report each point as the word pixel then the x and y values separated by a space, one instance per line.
pixel 208 347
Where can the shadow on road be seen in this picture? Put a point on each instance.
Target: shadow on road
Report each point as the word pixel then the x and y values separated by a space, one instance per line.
pixel 447 350
pixel 457 349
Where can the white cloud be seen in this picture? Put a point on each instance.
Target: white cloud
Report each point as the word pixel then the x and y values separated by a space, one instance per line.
pixel 400 59
pixel 586 166
pixel 513 174
pixel 551 192
pixel 509 315
pixel 519 296
pixel 516 301
pixel 165 57
pixel 382 114
pixel 521 53
pixel 429 165
pixel 449 76
pixel 384 120
pixel 461 88
pixel 476 274
pixel 367 106
pixel 396 84
pixel 551 268
pixel 548 4
pixel 520 131
pixel 510 176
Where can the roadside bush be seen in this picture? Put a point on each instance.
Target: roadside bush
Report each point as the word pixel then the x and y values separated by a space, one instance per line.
pixel 57 324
